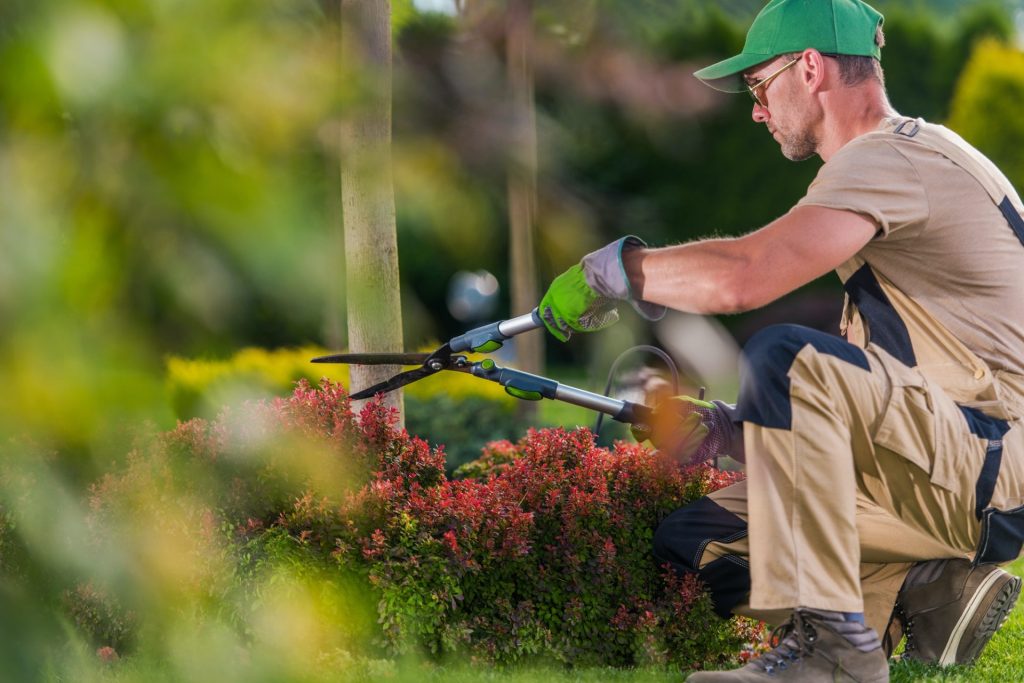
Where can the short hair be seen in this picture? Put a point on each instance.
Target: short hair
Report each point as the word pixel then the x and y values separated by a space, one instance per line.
pixel 855 69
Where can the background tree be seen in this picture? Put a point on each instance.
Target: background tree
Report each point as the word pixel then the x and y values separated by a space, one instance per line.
pixel 371 242
pixel 522 181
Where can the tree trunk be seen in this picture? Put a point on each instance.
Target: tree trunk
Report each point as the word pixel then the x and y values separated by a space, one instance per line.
pixel 368 199
pixel 522 184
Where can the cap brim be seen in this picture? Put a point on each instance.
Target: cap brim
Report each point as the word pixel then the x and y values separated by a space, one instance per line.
pixel 727 75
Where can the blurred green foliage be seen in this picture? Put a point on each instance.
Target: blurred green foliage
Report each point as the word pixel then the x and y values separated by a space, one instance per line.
pixel 990 92
pixel 169 174
pixel 455 409
pixel 169 188
pixel 628 146
pixel 162 185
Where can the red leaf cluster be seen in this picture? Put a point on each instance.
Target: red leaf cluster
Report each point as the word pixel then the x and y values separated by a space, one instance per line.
pixel 544 552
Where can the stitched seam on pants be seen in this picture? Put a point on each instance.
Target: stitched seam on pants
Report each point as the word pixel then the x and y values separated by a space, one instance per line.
pixel 704 544
pixel 736 559
pixel 695 562
pixel 734 537
pixel 793 514
pixel 986 528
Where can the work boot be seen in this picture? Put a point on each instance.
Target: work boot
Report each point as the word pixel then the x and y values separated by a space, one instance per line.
pixel 949 610
pixel 813 646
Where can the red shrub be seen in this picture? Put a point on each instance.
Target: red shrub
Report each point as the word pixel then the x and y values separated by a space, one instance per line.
pixel 546 552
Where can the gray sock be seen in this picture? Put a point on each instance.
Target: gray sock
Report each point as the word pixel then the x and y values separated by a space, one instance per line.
pixel 857 634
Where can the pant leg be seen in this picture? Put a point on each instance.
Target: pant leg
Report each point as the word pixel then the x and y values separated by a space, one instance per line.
pixel 824 422
pixel 709 537
pixel 718 520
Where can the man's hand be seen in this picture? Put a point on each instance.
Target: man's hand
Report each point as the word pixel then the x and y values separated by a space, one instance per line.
pixel 680 426
pixel 570 304
pixel 583 298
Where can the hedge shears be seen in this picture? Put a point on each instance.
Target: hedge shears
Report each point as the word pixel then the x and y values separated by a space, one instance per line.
pixel 521 385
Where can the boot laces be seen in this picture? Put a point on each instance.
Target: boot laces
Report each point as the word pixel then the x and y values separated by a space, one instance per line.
pixel 908 629
pixel 790 642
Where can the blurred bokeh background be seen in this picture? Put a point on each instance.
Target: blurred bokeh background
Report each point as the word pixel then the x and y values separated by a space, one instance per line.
pixel 170 194
pixel 170 183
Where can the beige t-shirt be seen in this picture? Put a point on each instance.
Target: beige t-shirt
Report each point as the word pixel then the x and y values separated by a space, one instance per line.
pixel 942 239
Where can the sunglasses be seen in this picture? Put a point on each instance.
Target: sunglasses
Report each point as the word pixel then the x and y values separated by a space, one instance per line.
pixel 757 89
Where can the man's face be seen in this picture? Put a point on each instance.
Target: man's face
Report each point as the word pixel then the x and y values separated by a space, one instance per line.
pixel 781 105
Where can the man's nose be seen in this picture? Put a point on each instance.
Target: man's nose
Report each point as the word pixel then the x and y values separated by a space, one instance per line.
pixel 760 114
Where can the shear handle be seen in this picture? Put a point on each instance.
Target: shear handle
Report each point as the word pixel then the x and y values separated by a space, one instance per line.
pixel 490 337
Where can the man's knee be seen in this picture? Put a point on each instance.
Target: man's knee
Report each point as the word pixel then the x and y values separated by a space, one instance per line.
pixel 765 364
pixel 683 537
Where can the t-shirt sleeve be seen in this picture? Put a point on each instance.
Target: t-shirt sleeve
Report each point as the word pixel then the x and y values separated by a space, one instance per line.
pixel 871 177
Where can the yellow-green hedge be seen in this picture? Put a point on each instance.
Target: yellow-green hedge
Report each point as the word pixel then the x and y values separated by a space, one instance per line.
pixel 201 386
pixel 462 412
pixel 987 106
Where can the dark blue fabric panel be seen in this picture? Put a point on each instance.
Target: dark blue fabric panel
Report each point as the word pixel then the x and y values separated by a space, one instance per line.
pixel 680 541
pixel 985 426
pixel 728 580
pixel 1002 536
pixel 764 370
pixel 993 429
pixel 1013 218
pixel 885 327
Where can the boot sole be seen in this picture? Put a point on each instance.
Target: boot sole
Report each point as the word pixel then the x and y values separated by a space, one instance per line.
pixel 994 617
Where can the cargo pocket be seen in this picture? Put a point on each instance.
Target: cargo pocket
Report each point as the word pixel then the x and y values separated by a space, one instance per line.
pixel 914 423
pixel 1002 536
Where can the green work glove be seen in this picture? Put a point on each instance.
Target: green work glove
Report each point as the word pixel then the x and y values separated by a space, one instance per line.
pixel 571 304
pixel 584 298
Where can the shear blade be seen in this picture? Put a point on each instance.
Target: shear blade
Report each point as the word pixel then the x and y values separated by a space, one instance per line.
pixel 396 382
pixel 374 358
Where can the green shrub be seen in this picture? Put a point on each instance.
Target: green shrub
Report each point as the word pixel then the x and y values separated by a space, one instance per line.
pixel 496 457
pixel 100 617
pixel 464 425
pixel 546 555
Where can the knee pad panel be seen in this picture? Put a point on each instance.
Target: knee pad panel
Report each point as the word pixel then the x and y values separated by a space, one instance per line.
pixel 683 536
pixel 764 370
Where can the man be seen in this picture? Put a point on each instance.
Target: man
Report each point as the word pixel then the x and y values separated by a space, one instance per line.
pixel 899 445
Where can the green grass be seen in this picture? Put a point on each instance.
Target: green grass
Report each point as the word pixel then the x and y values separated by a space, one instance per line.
pixel 1002 662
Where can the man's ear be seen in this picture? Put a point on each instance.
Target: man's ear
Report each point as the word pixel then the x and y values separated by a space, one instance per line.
pixel 814 70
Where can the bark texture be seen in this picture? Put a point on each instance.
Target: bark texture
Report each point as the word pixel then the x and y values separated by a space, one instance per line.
pixel 522 183
pixel 368 199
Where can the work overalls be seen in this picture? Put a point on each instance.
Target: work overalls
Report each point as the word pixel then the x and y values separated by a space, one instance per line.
pixel 863 456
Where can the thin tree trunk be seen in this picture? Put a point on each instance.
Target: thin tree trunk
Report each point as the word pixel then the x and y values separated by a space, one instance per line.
pixel 368 200
pixel 334 299
pixel 335 304
pixel 522 184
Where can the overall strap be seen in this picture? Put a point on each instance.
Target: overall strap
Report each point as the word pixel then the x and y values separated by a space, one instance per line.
pixel 957 150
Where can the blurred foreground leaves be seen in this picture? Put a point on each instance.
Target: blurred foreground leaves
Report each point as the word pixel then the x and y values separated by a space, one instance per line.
pixel 161 187
pixel 168 187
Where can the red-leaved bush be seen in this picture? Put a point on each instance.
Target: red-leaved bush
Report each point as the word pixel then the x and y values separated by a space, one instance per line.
pixel 544 553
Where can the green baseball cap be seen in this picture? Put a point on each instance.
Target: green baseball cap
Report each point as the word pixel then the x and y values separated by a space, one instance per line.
pixel 838 27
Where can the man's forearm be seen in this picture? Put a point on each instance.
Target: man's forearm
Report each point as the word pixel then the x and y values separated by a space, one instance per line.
pixel 741 274
pixel 706 277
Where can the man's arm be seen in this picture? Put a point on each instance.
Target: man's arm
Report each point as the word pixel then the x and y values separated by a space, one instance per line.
pixel 741 274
